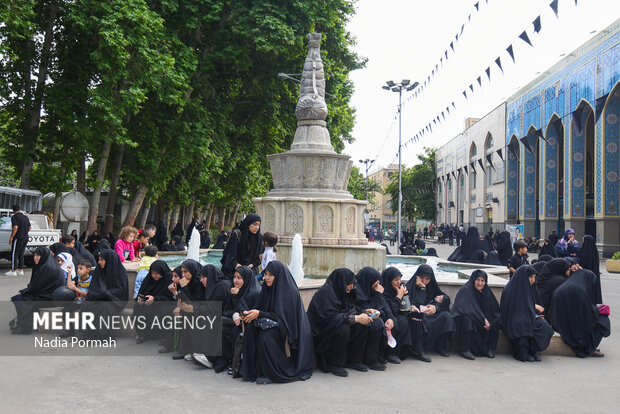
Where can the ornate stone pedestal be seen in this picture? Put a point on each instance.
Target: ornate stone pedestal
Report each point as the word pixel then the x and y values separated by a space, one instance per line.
pixel 310 196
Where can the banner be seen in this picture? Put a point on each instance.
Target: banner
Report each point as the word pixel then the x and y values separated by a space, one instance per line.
pixel 516 232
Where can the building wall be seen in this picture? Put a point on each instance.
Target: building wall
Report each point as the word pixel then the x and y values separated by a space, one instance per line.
pixel 459 200
pixel 382 206
pixel 570 178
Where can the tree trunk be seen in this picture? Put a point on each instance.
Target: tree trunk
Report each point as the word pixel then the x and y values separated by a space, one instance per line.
pixel 135 206
pixel 190 214
pixel 81 174
pixel 94 203
pixel 174 218
pixel 109 211
pixel 35 110
pixel 208 213
pixel 221 218
pixel 145 213
pixel 233 217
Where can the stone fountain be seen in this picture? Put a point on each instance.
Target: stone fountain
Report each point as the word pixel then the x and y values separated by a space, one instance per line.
pixel 310 196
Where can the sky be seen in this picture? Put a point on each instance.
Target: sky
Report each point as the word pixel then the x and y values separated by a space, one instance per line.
pixel 405 39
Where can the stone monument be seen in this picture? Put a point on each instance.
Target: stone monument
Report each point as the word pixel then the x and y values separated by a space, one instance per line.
pixel 310 196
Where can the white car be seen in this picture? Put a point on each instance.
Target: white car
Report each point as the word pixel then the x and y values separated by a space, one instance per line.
pixel 40 235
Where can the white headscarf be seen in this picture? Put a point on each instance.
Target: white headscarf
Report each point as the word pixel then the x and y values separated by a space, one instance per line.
pixel 68 260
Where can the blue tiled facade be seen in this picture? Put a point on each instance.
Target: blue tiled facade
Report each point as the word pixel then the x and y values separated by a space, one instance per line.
pixel 588 115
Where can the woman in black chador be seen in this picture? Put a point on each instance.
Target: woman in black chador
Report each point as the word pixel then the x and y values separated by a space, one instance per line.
pixel 552 275
pixel 243 247
pixel 470 244
pixel 576 315
pixel 504 247
pixel 588 259
pixel 394 293
pixel 190 290
pixel 278 346
pixel 154 291
pixel 431 322
pixel 214 288
pixel 522 322
pixel 339 326
pixel 243 297
pixel 46 277
pixel 477 317
pixel 108 292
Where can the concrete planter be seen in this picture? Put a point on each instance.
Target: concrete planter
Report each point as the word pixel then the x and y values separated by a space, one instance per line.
pixel 613 266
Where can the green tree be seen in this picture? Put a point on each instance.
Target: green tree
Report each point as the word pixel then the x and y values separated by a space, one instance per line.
pixel 418 188
pixel 362 189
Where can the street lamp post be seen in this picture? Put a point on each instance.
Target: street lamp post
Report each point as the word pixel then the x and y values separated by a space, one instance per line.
pixel 398 87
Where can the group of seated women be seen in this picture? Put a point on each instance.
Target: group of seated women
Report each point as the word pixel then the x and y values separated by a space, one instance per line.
pixel 354 321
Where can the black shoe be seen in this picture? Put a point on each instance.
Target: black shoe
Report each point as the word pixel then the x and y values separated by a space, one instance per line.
pixel 220 366
pixel 358 366
pixel 491 354
pixel 530 358
pixel 176 355
pixel 65 334
pixel 140 340
pixel 164 350
pixel 339 371
pixel 393 359
pixel 376 366
pixel 467 355
pixel 382 360
pixel 443 353
pixel 536 357
pixel 422 357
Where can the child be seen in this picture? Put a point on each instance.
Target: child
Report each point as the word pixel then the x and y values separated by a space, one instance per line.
pixel 150 255
pixel 141 242
pixel 124 244
pixel 519 258
pixel 270 240
pixel 79 285
pixel 65 261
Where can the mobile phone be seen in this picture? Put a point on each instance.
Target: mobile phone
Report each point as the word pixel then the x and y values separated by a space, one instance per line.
pixel 374 315
pixel 141 297
pixel 417 315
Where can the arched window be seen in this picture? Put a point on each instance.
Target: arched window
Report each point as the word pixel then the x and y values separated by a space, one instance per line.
pixel 488 143
pixel 473 151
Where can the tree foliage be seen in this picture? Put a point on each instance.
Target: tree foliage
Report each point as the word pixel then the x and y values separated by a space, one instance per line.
pixel 418 188
pixel 185 91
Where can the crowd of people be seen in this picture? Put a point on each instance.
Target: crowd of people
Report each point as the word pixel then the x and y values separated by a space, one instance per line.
pixel 354 321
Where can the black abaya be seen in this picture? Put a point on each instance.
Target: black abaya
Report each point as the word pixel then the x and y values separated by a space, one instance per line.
pixel 284 353
pixel 108 292
pixel 401 330
pixel 504 247
pixel 588 259
pixel 438 328
pixel 527 332
pixel 163 300
pixel 46 277
pixel 470 309
pixel 552 275
pixel 243 247
pixel 576 314
pixel 493 259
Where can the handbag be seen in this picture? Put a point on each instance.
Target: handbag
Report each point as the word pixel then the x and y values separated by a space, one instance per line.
pixel 405 304
pixel 266 323
pixel 238 353
pixel 603 309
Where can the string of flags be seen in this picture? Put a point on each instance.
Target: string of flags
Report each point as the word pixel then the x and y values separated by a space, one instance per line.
pixel 449 51
pixel 469 90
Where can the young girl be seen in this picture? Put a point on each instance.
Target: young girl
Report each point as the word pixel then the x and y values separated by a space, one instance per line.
pixel 270 240
pixel 65 261
pixel 124 244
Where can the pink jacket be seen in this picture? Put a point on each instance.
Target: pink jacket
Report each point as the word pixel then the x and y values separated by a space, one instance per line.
pixel 121 247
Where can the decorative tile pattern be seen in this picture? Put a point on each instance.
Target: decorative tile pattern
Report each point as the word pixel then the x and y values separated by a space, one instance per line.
pixel 512 187
pixel 611 175
pixel 578 164
pixel 529 181
pixel 549 190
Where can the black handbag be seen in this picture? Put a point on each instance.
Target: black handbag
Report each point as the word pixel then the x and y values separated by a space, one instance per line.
pixel 238 353
pixel 266 323
pixel 405 304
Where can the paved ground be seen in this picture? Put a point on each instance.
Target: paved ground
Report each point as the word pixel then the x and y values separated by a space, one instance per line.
pixel 159 384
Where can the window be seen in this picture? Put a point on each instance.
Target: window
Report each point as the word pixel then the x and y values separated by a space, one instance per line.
pixel 473 152
pixel 449 184
pixel 462 183
pixel 489 143
pixel 472 179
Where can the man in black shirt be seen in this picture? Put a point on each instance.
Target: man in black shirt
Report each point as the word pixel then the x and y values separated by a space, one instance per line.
pixel 519 258
pixel 20 226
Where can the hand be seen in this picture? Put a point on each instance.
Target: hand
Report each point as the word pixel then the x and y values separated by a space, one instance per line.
pixel 237 265
pixel 251 266
pixel 186 308
pixel 389 324
pixel 363 319
pixel 234 290
pixel 10 240
pixel 439 298
pixel 183 282
pixel 149 300
pixel 487 325
pixel 249 316
pixel 260 257
pixel 173 288
pixel 236 318
pixel 71 284
pixel 69 269
pixel 371 311
pixel 136 259
pixel 379 289
pixel 539 308
pixel 419 283
pixel 176 311
pixel 431 310
pixel 401 292
pixel 414 309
